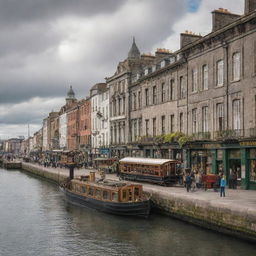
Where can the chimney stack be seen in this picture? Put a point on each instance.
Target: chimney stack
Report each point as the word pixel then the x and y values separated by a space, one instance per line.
pixel 250 5
pixel 221 18
pixel 187 38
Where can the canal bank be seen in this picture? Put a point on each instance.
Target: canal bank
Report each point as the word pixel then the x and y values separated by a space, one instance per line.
pixel 234 215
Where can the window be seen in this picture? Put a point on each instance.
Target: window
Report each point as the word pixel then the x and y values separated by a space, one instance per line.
pixel 220 116
pixel 119 106
pixel 123 105
pixel 181 122
pixel 135 129
pixel 146 97
pixel 91 189
pixel 182 88
pixel 163 124
pixel 139 134
pixel 154 95
pixel 134 101
pixel 205 77
pixel 172 123
pixel 98 193
pixel 124 194
pixel 194 121
pixel 205 119
pixel 220 73
pixel 172 97
pixel 194 80
pixel 236 65
pixel 163 92
pixel 114 196
pixel 139 99
pixel 236 115
pixel 105 195
pixel 154 126
pixel 147 127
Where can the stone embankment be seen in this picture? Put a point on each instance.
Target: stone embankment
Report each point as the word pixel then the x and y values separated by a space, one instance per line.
pixel 235 214
pixel 10 164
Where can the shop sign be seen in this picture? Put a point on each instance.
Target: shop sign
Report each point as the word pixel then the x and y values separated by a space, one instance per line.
pixel 247 143
pixel 211 146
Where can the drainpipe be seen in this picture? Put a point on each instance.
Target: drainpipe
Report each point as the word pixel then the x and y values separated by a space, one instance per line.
pixel 225 45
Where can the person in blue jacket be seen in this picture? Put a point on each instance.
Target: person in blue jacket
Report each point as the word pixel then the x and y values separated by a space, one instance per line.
pixel 222 186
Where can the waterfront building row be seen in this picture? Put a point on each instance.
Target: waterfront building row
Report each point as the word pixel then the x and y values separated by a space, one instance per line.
pixel 197 104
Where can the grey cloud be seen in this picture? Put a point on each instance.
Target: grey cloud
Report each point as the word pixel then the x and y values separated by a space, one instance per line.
pixel 29 61
pixel 14 12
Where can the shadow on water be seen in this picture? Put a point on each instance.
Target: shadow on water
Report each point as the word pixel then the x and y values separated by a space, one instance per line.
pixel 37 220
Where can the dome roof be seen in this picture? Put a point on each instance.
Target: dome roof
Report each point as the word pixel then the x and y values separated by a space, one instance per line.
pixel 71 94
pixel 134 52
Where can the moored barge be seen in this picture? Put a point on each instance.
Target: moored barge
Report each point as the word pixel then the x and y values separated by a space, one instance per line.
pixel 115 197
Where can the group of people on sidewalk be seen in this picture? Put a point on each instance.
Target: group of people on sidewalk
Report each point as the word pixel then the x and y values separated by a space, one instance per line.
pixel 193 181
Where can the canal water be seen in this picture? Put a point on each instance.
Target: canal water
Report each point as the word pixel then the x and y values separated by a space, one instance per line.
pixel 36 220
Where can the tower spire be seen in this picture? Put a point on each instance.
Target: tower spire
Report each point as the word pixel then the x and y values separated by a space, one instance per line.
pixel 134 52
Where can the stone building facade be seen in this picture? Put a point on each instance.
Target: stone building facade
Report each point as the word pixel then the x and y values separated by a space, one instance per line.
pixel 85 125
pixel 99 97
pixel 204 94
pixel 119 98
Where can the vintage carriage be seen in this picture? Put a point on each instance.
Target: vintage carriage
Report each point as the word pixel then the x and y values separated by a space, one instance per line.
pixel 159 171
pixel 108 165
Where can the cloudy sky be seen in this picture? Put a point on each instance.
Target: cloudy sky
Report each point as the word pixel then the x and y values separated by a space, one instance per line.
pixel 46 45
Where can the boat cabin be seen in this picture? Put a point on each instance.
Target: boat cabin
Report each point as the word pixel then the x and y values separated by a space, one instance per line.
pixel 160 171
pixel 107 190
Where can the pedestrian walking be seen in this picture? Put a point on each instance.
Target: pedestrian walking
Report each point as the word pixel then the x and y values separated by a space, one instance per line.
pixel 222 186
pixel 188 182
pixel 198 180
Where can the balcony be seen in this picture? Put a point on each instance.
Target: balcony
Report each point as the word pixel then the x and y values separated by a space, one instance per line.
pixel 229 134
pixel 201 136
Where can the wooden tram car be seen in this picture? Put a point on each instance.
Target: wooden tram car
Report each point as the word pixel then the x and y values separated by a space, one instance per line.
pixel 159 171
pixel 107 165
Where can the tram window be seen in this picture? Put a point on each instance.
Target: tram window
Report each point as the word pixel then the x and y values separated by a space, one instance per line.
pixel 114 196
pixel 136 191
pixel 91 191
pixel 105 195
pixel 124 194
pixel 130 195
pixel 84 189
pixel 98 193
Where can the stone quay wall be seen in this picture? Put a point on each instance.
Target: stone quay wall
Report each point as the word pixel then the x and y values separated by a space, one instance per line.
pixel 208 211
pixel 240 223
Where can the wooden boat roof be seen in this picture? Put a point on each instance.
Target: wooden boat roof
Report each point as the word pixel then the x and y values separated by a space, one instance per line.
pixel 153 161
pixel 105 183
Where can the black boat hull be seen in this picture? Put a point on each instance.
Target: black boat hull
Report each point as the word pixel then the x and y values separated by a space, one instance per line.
pixel 140 209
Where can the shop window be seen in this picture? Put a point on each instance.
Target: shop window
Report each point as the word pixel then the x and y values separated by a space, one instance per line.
pixel 253 170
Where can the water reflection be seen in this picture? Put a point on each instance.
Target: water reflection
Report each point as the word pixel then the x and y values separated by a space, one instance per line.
pixel 36 220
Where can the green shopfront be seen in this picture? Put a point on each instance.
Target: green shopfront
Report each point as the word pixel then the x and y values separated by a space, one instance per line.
pixel 236 156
